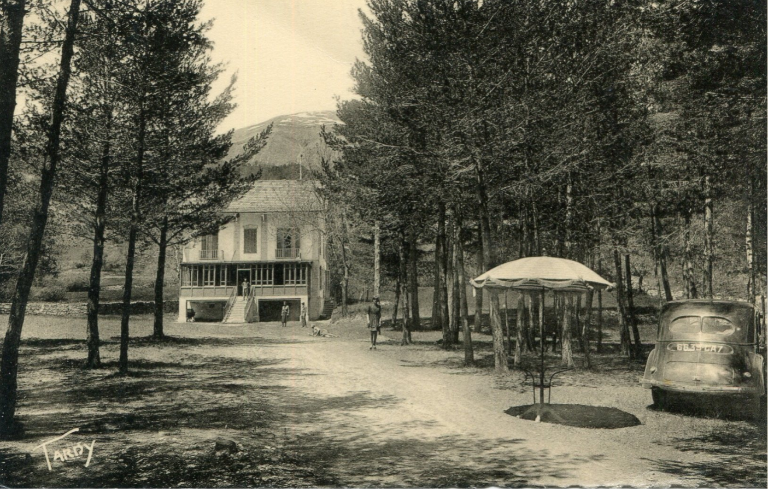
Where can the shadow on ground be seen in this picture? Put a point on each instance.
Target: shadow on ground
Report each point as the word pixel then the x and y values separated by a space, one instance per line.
pixel 159 426
pixel 447 461
pixel 740 450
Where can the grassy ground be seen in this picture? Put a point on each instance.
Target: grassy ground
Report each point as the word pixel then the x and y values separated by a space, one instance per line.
pixel 181 398
pixel 260 405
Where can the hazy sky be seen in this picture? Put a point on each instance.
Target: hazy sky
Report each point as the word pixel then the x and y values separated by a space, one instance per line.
pixel 290 55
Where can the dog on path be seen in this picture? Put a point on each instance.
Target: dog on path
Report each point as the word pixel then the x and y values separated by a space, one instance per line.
pixel 322 332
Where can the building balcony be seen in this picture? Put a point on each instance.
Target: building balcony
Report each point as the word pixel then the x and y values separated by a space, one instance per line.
pixel 193 255
pixel 211 254
pixel 287 253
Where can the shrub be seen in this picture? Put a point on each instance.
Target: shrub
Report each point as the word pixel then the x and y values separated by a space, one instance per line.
pixel 77 284
pixel 55 293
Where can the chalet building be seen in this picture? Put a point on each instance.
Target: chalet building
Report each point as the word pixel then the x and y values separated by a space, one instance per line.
pixel 275 242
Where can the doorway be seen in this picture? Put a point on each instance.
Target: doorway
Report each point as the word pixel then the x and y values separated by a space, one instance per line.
pixel 270 309
pixel 242 276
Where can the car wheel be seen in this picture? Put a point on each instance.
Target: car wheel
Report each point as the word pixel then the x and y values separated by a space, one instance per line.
pixel 659 397
pixel 755 406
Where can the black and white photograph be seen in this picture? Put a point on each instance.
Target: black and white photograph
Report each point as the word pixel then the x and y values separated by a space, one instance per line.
pixel 383 243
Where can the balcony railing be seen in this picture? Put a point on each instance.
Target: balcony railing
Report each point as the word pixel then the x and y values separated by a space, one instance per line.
pixel 287 253
pixel 211 254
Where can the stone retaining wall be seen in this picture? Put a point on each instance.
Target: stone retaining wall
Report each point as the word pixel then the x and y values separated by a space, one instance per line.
pixel 80 308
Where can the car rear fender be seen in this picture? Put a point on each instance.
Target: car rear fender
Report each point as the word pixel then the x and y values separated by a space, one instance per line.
pixel 758 368
pixel 652 361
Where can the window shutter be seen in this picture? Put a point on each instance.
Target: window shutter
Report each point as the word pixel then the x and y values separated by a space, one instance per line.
pixel 250 241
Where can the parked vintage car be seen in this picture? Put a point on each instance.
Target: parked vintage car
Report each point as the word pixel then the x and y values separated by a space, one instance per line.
pixel 707 347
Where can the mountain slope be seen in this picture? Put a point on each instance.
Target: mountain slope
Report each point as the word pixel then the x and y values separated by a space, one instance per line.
pixel 295 138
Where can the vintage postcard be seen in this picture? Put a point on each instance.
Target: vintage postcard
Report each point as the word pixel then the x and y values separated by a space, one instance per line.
pixel 383 243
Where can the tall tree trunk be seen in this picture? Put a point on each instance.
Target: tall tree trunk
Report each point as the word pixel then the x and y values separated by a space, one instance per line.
pixel 454 275
pixel 599 345
pixel 506 323
pixel 566 349
pixel 345 282
pixel 436 289
pixel 621 308
pixel 403 280
pixel 132 235
pixel 751 289
pixel 400 258
pixel 345 266
pixel 522 226
pixel 519 333
pixel 690 283
pixel 10 361
pixel 444 277
pixel 11 26
pixel 478 319
pixel 536 236
pixel 94 285
pixel 709 249
pixel 662 251
pixel 413 279
pixel 500 355
pixel 638 350
pixel 160 280
pixel 406 339
pixel 376 259
pixel 569 218
pixel 587 328
pixel 529 302
pixel 577 321
pixel 127 289
pixel 469 354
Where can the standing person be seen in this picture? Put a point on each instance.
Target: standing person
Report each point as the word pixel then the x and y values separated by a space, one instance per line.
pixel 245 288
pixel 303 315
pixel 284 313
pixel 374 321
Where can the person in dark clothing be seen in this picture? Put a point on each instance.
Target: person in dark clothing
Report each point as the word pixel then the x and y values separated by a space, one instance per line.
pixel 284 313
pixel 374 321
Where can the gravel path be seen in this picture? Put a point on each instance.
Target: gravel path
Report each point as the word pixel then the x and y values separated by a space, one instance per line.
pixel 310 411
pixel 404 416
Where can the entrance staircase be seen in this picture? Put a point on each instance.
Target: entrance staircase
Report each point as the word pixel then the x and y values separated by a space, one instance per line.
pixel 236 313
pixel 328 308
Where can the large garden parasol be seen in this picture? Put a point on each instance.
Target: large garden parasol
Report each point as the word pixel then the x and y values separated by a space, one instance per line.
pixel 541 274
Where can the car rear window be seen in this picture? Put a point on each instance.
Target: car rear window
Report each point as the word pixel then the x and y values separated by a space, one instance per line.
pixel 719 326
pixel 686 324
pixel 706 325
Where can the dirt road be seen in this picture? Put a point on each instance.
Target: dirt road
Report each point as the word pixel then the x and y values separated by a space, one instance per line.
pixel 406 417
pixel 304 411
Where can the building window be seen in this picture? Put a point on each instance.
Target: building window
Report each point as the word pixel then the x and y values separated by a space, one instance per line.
pixel 209 275
pixel 190 276
pixel 263 274
pixel 295 274
pixel 288 243
pixel 250 241
pixel 209 247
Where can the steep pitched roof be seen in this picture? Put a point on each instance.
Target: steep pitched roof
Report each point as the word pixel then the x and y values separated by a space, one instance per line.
pixel 279 196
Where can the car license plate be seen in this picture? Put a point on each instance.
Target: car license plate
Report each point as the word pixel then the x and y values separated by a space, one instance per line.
pixel 703 347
